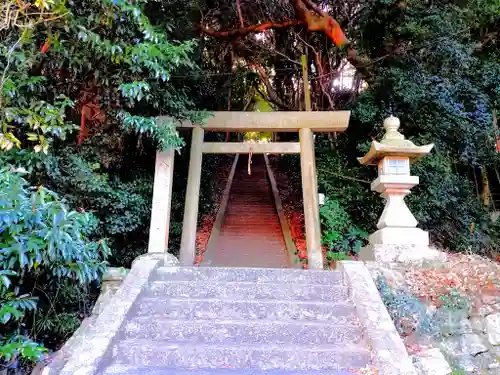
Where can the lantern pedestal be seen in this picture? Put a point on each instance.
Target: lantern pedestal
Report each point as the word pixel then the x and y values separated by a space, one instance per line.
pixel 414 254
pixel 393 188
pixel 399 236
pixel 397 225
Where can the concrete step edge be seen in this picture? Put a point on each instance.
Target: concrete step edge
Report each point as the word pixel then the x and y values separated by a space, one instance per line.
pixel 333 304
pixel 168 344
pixel 117 369
pixel 157 318
pixel 202 283
pixel 228 290
pixel 333 276
pixel 263 269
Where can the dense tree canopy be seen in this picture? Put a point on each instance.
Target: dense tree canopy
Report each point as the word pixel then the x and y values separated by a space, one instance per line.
pixel 433 64
pixel 81 82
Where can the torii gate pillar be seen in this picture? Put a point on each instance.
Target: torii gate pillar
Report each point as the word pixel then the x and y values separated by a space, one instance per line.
pixel 162 201
pixel 310 201
pixel 190 220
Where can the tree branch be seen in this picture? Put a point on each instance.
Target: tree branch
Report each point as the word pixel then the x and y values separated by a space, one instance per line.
pixel 321 21
pixel 240 15
pixel 314 7
pixel 321 83
pixel 309 14
pixel 304 9
pixel 275 51
pixel 243 31
pixel 361 64
pixel 320 72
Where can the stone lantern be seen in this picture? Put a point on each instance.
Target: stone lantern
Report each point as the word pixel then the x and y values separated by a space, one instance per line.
pixel 397 227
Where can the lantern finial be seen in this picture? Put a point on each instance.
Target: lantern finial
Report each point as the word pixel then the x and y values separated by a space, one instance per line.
pixel 391 126
pixel 391 123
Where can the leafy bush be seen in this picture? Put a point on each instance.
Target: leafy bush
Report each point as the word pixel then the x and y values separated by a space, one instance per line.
pixel 103 68
pixel 339 233
pixel 121 204
pixel 101 63
pixel 43 246
pixel 445 203
pixel 107 66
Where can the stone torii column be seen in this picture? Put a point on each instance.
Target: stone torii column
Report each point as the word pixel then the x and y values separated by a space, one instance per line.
pixel 162 201
pixel 310 198
pixel 189 224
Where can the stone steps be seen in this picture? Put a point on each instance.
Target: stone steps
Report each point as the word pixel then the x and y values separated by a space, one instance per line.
pixel 246 290
pixel 204 320
pixel 233 241
pixel 261 275
pixel 250 234
pixel 232 332
pixel 146 352
pixel 149 370
pixel 189 309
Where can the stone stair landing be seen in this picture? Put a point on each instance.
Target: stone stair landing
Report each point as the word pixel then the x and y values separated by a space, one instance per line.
pixel 203 320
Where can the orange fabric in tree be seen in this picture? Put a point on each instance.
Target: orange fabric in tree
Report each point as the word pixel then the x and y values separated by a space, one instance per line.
pixel 335 33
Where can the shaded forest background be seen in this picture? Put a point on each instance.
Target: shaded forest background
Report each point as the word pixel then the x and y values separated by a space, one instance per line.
pixel 82 80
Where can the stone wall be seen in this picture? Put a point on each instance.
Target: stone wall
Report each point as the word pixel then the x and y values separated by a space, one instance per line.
pixel 446 328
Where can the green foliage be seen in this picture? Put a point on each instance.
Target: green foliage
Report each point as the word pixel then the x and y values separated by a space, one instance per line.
pixel 121 204
pixel 42 120
pixel 105 68
pixel 342 179
pixel 26 114
pixel 261 104
pixel 20 346
pixel 339 233
pixel 336 256
pixel 41 243
pixel 38 229
pixel 453 300
pixel 450 206
pixel 116 59
pixel 161 131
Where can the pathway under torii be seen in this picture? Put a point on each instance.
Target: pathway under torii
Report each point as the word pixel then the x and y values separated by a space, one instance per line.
pixel 305 123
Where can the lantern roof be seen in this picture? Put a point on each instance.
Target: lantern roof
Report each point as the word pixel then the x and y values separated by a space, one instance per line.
pixel 394 144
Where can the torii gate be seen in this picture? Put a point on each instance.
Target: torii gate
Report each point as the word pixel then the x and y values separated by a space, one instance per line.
pixel 304 122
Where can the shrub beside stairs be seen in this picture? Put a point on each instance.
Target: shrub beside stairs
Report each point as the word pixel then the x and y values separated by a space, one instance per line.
pixel 168 319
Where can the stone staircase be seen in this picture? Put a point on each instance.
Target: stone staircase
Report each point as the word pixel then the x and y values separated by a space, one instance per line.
pixel 250 235
pixel 168 319
pixel 239 320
